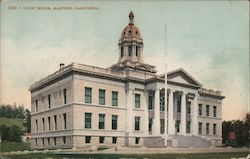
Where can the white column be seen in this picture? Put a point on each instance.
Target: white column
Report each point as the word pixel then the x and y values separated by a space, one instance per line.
pixel 146 120
pixel 156 121
pixel 183 114
pixel 129 111
pixel 171 121
pixel 194 119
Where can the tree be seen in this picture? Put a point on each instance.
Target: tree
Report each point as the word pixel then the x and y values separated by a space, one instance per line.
pixel 11 133
pixel 27 123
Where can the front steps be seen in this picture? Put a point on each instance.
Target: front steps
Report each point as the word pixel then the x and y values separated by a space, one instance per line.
pixel 153 141
pixel 189 141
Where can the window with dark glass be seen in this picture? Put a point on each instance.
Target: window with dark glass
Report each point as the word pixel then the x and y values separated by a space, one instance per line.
pixel 101 139
pixel 188 107
pixel 207 110
pixel 215 111
pixel 137 140
pixel 43 124
pixel 150 123
pixel 49 123
pixel 36 141
pixel 114 140
pixel 101 97
pixel 36 125
pixel 87 139
pixel 43 142
pixel 179 104
pixel 64 139
pixel 188 127
pixel 48 141
pixel 55 122
pixel 162 101
pixel 130 50
pixel 36 109
pixel 137 123
pixel 200 128
pixel 65 96
pixel 88 120
pixel 137 51
pixel 122 54
pixel 54 140
pixel 88 95
pixel 137 100
pixel 114 98
pixel 178 126
pixel 114 122
pixel 207 128
pixel 214 129
pixel 200 109
pixel 65 120
pixel 162 126
pixel 101 121
pixel 49 101
pixel 150 102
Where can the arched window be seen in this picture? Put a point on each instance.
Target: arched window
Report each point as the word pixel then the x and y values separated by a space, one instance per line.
pixel 122 51
pixel 137 51
pixel 130 50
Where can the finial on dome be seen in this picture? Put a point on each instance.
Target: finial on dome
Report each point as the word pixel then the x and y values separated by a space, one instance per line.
pixel 131 17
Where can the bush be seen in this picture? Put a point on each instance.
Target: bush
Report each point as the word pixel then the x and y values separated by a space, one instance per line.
pixel 11 133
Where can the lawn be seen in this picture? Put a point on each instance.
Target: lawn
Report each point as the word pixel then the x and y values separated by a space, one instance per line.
pixel 149 156
pixel 14 146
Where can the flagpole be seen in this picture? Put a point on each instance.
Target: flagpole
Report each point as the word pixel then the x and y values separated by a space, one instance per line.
pixel 166 90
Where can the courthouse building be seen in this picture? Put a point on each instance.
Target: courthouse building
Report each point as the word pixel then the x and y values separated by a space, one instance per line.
pixel 81 105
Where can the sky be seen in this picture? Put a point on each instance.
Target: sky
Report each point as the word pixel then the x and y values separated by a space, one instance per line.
pixel 208 39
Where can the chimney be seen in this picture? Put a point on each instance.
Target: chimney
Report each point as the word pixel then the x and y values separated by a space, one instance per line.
pixel 61 65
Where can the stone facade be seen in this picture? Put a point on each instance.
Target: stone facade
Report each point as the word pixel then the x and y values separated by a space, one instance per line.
pixel 80 105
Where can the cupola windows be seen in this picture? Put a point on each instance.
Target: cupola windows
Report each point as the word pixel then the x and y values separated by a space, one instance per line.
pixel 122 54
pixel 137 51
pixel 130 50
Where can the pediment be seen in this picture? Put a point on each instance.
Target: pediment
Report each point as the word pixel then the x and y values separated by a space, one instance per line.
pixel 182 77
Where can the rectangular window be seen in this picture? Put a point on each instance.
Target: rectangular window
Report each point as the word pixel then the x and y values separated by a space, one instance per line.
pixel 150 123
pixel 137 51
pixel 137 100
pixel 88 95
pixel 49 123
pixel 114 140
pixel 65 120
pixel 49 101
pixel 88 120
pixel 65 96
pixel 150 102
pixel 188 107
pixel 215 111
pixel 36 141
pixel 207 110
pixel 130 50
pixel 87 139
pixel 114 98
pixel 178 126
pixel 114 122
pixel 36 108
pixel 43 142
pixel 64 139
pixel 179 104
pixel 162 101
pixel 101 139
pixel 137 140
pixel 55 122
pixel 188 127
pixel 101 97
pixel 207 128
pixel 200 128
pixel 200 109
pixel 54 140
pixel 48 141
pixel 43 124
pixel 214 129
pixel 36 125
pixel 137 123
pixel 101 121
pixel 162 123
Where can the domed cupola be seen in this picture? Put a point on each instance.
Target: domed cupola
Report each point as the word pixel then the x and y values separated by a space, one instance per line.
pixel 131 49
pixel 131 43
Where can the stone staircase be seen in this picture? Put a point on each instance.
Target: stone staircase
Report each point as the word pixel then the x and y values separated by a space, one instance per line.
pixel 189 141
pixel 153 141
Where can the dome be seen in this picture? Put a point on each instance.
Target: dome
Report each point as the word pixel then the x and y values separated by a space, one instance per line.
pixel 131 31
